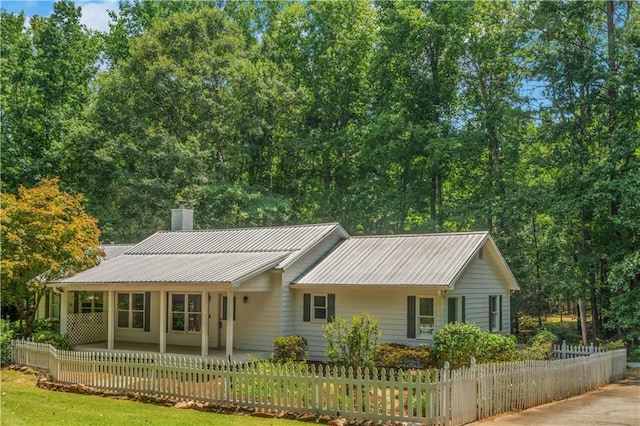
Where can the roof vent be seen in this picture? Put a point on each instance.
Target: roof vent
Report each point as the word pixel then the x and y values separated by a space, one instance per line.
pixel 181 218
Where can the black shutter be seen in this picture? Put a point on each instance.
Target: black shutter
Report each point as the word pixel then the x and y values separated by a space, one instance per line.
pixel 411 317
pixel 46 304
pixel 306 307
pixel 331 307
pixel 168 314
pixel 234 308
pixel 76 302
pixel 464 309
pixel 500 310
pixel 224 308
pixel 147 311
pixel 490 315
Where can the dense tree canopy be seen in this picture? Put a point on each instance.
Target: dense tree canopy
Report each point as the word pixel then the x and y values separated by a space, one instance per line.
pixel 408 116
pixel 45 235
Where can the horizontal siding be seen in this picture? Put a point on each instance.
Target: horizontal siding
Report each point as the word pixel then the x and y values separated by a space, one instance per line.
pixel 389 306
pixel 257 321
pixel 481 280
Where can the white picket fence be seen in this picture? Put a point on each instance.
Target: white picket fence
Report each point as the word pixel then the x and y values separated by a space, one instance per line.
pixel 440 397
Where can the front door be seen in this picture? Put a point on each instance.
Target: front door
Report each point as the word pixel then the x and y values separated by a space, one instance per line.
pixel 214 320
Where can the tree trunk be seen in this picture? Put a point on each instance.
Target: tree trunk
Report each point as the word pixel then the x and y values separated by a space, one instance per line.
pixel 583 321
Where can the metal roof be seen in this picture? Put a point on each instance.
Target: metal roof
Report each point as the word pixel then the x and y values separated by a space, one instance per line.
pixel 223 255
pixel 113 250
pixel 426 259
pixel 211 268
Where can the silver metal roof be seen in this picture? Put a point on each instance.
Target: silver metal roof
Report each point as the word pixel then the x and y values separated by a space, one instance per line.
pixel 113 250
pixel 221 256
pixel 226 268
pixel 427 259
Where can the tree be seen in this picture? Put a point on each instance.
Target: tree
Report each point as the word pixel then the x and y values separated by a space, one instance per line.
pixel 46 235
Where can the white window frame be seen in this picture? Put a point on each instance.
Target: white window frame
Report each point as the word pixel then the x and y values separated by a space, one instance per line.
pixel 129 311
pixel 190 315
pixel 424 329
pixel 494 312
pixel 314 318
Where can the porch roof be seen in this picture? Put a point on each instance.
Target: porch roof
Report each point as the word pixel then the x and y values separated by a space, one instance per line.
pixel 226 268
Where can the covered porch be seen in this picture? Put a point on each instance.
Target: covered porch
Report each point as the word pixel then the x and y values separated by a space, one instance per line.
pixel 239 355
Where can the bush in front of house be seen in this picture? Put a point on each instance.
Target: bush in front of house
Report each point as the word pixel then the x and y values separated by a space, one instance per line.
pixel 57 340
pixel 288 349
pixel 457 343
pixel 401 357
pixel 540 347
pixel 352 345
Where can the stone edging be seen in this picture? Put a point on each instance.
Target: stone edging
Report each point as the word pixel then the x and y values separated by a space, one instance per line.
pixel 43 381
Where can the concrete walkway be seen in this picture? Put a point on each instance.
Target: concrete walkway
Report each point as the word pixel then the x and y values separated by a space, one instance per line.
pixel 615 404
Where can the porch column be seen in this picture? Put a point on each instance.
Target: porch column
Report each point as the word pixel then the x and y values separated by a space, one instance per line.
pixel 204 324
pixel 64 302
pixel 111 320
pixel 230 315
pixel 163 321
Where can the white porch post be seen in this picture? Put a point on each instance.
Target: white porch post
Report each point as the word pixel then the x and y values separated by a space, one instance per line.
pixel 64 303
pixel 204 324
pixel 111 320
pixel 230 315
pixel 163 321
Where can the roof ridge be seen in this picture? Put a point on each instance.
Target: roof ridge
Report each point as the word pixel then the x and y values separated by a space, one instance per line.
pixel 148 253
pixel 248 228
pixel 431 234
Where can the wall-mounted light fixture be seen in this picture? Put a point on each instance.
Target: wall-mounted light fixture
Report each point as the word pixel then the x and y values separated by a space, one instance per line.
pixel 245 299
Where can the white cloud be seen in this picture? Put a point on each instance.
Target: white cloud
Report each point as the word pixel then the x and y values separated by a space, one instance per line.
pixel 95 14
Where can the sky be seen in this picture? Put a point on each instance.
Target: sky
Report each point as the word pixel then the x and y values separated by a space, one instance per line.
pixel 94 13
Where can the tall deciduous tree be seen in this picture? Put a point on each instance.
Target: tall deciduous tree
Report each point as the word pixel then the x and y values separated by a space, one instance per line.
pixel 46 235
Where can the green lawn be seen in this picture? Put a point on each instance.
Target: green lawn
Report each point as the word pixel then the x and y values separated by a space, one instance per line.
pixel 22 403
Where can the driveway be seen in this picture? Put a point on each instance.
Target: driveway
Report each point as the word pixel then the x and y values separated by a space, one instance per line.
pixel 615 404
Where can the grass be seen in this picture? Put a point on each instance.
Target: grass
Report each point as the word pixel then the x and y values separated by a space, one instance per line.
pixel 22 403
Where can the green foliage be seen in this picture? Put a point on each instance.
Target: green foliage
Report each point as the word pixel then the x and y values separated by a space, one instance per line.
pixel 352 345
pixel 288 349
pixel 55 339
pixel 46 235
pixel 634 355
pixel 457 343
pixel 6 334
pixel 400 356
pixel 540 347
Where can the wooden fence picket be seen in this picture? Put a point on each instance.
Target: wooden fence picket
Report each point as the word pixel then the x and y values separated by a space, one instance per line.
pixel 438 397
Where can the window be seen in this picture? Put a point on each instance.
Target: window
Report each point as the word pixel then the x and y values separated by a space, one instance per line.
pixel 452 309
pixel 426 317
pixel 87 302
pixel 131 311
pixel 456 309
pixel 224 308
pixel 186 312
pixel 319 307
pixel 495 313
pixel 52 305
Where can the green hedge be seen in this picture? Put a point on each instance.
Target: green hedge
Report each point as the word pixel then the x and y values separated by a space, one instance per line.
pixel 289 349
pixel 400 356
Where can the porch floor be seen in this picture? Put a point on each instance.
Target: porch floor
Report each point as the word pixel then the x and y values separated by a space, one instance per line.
pixel 239 355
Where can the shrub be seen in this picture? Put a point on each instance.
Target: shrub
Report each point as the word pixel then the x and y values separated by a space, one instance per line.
pixel 400 356
pixel 612 346
pixel 457 343
pixel 352 345
pixel 496 348
pixel 289 349
pixel 6 334
pixel 540 346
pixel 57 340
